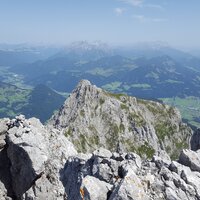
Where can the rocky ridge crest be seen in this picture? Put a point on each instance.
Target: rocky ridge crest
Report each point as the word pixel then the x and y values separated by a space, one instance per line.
pixel 93 118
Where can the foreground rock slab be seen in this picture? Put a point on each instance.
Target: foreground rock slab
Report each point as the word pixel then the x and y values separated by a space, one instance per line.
pixel 36 156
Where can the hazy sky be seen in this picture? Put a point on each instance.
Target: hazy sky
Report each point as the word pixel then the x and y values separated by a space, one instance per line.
pixel 115 21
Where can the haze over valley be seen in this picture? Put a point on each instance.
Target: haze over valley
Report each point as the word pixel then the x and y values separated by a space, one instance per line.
pixel 149 70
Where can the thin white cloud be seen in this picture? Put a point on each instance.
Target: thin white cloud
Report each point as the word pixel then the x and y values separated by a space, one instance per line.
pixel 133 2
pixel 142 18
pixel 142 3
pixel 119 11
pixel 159 19
pixel 155 6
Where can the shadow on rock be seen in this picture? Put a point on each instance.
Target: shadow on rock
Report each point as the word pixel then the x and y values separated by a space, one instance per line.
pixel 72 176
pixel 22 173
pixel 5 175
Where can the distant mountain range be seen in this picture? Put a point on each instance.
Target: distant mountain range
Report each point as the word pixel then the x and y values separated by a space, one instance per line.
pixel 149 70
pixel 149 73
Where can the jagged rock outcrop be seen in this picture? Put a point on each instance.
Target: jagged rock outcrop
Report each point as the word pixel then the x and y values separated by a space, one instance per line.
pixel 93 118
pixel 33 159
pixel 191 159
pixel 125 176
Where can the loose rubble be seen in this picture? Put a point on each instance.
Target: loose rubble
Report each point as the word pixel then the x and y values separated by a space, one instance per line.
pixel 132 178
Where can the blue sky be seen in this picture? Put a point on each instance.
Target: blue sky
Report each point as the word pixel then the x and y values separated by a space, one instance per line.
pixel 176 22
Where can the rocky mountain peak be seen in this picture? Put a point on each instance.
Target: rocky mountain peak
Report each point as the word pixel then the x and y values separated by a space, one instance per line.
pixel 93 118
pixel 85 90
pixel 84 83
pixel 80 96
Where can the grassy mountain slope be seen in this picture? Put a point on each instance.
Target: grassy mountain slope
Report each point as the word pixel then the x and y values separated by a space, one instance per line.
pixel 12 99
pixel 40 102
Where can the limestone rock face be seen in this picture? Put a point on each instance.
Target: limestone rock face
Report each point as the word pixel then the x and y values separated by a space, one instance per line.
pixel 130 187
pixel 93 118
pixel 28 153
pixel 93 188
pixel 3 130
pixel 35 158
pixel 5 176
pixel 38 164
pixel 190 159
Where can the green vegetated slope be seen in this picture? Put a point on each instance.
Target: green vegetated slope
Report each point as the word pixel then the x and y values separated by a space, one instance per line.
pixel 189 108
pixel 12 100
pixel 39 102
pixel 42 102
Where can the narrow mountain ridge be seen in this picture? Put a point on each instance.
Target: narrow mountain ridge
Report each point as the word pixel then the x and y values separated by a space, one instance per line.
pixel 91 118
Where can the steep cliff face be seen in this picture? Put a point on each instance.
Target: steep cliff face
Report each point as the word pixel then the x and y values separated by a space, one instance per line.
pixel 93 118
